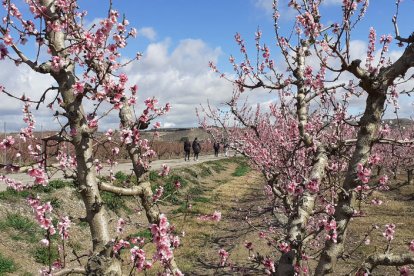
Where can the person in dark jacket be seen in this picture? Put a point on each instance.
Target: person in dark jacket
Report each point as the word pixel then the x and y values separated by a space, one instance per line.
pixel 216 147
pixel 196 149
pixel 187 149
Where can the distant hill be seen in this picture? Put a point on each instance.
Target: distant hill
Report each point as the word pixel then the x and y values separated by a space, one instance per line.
pixel 177 134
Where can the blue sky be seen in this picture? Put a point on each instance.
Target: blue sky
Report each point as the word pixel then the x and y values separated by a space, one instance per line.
pixel 179 37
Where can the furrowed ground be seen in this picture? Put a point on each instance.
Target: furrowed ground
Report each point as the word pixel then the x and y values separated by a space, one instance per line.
pixel 226 185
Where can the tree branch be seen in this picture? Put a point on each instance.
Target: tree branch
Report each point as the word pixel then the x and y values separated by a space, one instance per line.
pixel 69 271
pixel 388 260
pixel 134 191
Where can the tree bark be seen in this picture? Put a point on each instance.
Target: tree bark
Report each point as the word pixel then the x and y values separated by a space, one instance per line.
pixel 376 86
pixel 153 215
pixel 100 261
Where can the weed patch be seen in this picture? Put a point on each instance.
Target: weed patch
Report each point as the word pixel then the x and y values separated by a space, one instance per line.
pixel 241 170
pixel 113 201
pixel 6 265
pixel 13 195
pixel 43 255
pixel 146 234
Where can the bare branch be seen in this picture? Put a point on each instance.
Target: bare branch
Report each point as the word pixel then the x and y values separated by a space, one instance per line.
pixel 388 260
pixel 69 271
pixel 134 191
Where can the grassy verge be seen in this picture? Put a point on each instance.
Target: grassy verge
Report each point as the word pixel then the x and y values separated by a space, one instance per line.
pixel 6 265
pixel 242 169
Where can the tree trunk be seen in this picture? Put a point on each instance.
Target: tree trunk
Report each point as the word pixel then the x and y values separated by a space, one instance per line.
pixel 410 177
pixel 367 133
pixel 151 211
pixel 100 261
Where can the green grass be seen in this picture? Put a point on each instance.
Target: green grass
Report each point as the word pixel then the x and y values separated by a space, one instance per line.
pixel 13 195
pixel 190 172
pixel 113 201
pixel 146 233
pixel 205 171
pixel 183 209
pixel 153 176
pixel 195 190
pixel 217 165
pixel 121 176
pixel 242 169
pixel 18 222
pixel 52 186
pixel 26 229
pixel 202 199
pixel 170 191
pixel 41 254
pixel 83 224
pixel 55 202
pixel 6 265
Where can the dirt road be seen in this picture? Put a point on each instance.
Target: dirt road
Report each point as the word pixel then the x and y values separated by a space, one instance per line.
pixel 124 167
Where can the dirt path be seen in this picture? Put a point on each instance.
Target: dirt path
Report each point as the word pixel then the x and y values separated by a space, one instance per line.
pixel 124 167
pixel 238 198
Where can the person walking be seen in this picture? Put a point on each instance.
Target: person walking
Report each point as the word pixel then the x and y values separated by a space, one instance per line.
pixel 187 149
pixel 216 147
pixel 196 149
pixel 226 147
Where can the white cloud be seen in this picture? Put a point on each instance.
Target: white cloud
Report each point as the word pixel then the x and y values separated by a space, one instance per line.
pixel 21 80
pixel 148 33
pixel 180 76
pixel 169 125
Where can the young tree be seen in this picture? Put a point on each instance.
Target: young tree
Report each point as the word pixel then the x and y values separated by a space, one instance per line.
pixel 84 62
pixel 316 157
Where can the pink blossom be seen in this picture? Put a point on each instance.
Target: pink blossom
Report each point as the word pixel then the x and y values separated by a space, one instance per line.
pixel 405 271
pixel 44 242
pixel 248 245
pixel 120 225
pixel 158 194
pixel 363 173
pixel 73 132
pixel 383 180
pixel 389 231
pixel 3 51
pixel 177 184
pixel 269 266
pixel 411 246
pixel 223 254
pixel 7 142
pixel 63 226
pixel 165 170
pixel 216 216
pixel 115 151
pixel 119 245
pixel 109 134
pixel 123 78
pixel 284 247
pixel 330 209
pixel 133 32
pixel 157 125
pixel 139 260
pixel 57 63
pixel 78 87
pixel 8 40
pixel 313 186
pixel 93 123
pixel 39 175
pixel 161 238
pixel 376 201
